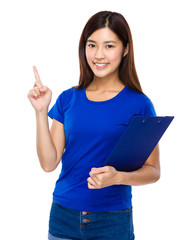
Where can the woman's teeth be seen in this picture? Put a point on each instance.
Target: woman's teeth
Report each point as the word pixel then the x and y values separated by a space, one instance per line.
pixel 101 64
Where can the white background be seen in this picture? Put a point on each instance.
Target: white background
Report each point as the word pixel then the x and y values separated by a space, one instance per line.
pixel 46 34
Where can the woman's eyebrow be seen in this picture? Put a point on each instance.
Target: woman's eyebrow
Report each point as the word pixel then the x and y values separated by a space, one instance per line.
pixel 110 41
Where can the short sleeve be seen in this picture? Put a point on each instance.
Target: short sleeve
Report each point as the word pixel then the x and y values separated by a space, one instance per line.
pixel 56 112
pixel 149 109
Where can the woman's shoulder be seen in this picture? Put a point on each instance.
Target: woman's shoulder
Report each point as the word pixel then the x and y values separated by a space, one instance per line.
pixel 137 95
pixel 70 90
pixel 141 100
pixel 67 95
pixel 66 92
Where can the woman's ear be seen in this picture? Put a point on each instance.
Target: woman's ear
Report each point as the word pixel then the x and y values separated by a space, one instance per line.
pixel 126 50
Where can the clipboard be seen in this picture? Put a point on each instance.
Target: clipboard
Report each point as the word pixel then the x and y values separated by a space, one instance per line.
pixel 137 142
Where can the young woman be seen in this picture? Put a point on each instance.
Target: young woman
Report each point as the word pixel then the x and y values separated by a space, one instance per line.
pixel 92 200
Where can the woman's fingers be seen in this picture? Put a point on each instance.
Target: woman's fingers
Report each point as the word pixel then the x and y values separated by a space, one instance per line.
pixel 43 89
pixel 37 77
pixel 90 186
pixel 32 94
pixel 91 183
pixel 36 89
pixel 35 92
pixel 36 74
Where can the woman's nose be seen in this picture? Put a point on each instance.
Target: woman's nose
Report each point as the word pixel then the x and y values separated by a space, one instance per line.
pixel 99 53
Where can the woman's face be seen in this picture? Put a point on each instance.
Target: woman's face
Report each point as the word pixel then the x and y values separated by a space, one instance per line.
pixel 104 52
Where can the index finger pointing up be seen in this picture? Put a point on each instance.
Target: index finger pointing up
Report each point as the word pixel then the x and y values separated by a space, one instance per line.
pixel 37 75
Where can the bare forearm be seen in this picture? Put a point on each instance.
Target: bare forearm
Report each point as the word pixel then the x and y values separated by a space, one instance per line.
pixel 45 148
pixel 147 174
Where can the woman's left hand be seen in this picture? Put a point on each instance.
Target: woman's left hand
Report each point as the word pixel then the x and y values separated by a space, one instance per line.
pixel 102 177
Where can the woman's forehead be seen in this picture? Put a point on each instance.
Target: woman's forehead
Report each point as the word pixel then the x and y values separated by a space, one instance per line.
pixel 104 35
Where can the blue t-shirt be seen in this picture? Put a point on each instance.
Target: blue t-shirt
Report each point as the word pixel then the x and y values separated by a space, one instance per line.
pixel 92 129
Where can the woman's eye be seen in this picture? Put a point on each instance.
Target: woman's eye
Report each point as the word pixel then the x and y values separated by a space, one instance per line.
pixel 109 46
pixel 91 45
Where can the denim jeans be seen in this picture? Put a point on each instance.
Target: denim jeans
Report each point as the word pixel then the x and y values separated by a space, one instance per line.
pixel 69 224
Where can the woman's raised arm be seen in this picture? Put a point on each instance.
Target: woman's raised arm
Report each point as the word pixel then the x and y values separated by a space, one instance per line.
pixel 50 144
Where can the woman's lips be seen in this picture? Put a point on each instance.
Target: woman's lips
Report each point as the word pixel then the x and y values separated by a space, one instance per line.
pixel 101 65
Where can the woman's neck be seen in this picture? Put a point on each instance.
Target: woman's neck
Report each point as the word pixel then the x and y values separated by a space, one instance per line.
pixel 106 84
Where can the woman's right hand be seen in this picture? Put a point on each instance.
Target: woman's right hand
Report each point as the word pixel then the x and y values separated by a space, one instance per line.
pixel 40 96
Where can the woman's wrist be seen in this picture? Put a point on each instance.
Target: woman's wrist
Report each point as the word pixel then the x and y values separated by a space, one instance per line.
pixel 42 113
pixel 122 178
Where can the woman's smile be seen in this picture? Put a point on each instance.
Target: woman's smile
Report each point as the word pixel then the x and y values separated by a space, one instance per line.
pixel 101 66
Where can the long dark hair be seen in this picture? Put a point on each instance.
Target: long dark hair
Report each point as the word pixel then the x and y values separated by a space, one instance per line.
pixel 117 23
